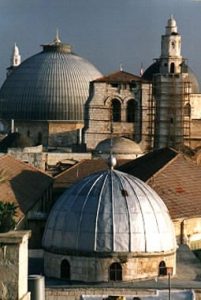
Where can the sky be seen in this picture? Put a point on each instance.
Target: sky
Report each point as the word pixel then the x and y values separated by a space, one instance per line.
pixel 108 33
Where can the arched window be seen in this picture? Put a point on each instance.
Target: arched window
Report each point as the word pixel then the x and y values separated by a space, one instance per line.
pixel 65 270
pixel 131 111
pixel 172 68
pixel 116 110
pixel 39 138
pixel 115 272
pixel 162 269
pixel 187 110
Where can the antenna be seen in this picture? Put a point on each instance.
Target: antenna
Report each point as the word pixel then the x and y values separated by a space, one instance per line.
pixel 111 160
pixel 141 70
pixel 57 39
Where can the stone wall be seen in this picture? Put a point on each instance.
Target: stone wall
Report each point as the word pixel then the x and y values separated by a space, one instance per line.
pixel 77 293
pixel 98 113
pixel 39 160
pixel 50 133
pixel 96 269
pixel 188 231
pixel 63 134
pixel 14 265
pixel 37 131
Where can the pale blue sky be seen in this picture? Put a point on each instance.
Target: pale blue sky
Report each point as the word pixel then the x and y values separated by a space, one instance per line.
pixel 106 32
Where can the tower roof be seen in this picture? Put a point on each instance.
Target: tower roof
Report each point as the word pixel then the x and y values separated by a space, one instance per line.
pixel 171 27
pixel 119 76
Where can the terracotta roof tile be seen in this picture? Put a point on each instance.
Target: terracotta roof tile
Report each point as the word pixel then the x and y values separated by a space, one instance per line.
pixel 119 76
pixel 23 184
pixel 80 170
pixel 179 185
pixel 147 165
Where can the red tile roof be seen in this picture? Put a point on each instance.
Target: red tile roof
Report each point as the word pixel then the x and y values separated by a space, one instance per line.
pixel 179 185
pixel 80 170
pixel 23 184
pixel 119 76
pixel 174 176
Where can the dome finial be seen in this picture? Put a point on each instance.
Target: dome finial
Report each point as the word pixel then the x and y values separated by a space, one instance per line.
pixel 112 162
pixel 57 39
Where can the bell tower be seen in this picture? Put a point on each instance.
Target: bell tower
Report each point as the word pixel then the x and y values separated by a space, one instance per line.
pixel 171 59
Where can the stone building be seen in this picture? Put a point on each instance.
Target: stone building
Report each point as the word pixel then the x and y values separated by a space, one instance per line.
pixel 127 227
pixel 118 105
pixel 160 109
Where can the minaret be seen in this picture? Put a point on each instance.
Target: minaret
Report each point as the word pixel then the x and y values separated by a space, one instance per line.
pixel 171 59
pixel 169 86
pixel 16 57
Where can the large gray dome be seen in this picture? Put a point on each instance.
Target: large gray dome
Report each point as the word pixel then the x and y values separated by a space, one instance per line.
pixel 51 85
pixel 109 212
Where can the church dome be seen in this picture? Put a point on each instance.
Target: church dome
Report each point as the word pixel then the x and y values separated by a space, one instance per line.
pixel 108 212
pixel 51 85
pixel 118 145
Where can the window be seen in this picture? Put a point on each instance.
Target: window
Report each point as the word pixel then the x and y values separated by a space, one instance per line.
pixel 39 138
pixel 116 110
pixel 131 111
pixel 65 270
pixel 115 272
pixel 162 269
pixel 114 85
pixel 172 68
pixel 187 110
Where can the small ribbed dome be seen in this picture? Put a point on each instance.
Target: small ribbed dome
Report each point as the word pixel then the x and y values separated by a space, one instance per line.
pixel 108 212
pixel 51 85
pixel 118 145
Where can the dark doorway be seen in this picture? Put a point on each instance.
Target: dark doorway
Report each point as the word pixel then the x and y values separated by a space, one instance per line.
pixel 162 269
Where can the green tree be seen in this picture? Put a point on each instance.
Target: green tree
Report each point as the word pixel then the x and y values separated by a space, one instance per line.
pixel 7 216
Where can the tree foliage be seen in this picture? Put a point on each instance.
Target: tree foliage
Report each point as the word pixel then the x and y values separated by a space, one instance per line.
pixel 7 216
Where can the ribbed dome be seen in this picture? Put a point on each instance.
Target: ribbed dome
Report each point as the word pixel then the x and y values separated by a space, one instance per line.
pixel 155 69
pixel 51 85
pixel 118 145
pixel 108 212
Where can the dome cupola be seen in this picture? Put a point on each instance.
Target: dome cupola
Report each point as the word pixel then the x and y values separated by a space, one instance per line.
pixel 113 212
